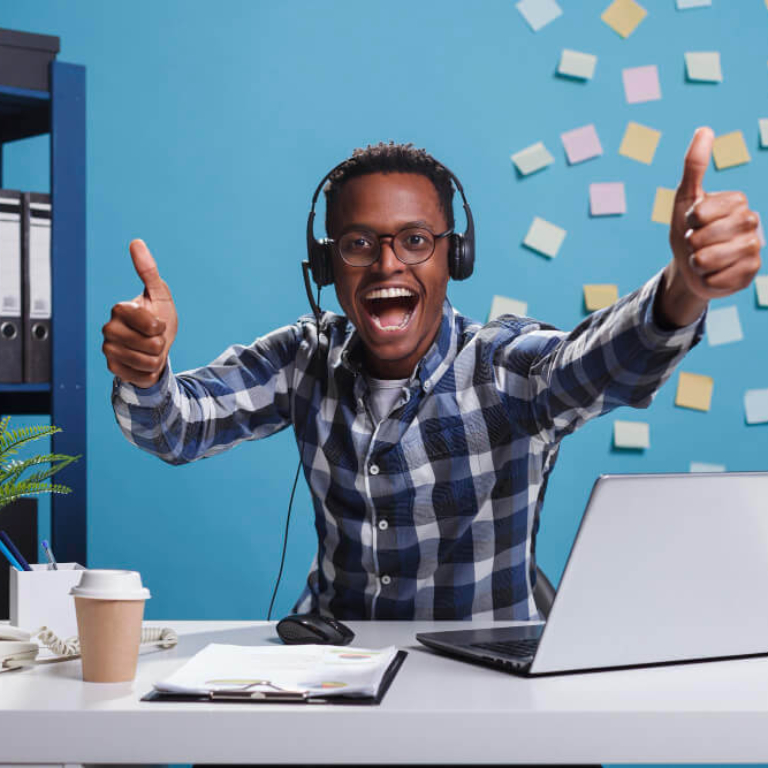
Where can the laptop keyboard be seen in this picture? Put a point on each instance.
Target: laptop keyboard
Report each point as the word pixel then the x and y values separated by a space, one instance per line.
pixel 518 648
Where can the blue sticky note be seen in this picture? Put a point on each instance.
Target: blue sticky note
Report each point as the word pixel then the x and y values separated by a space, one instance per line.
pixel 538 13
pixel 756 405
pixel 723 326
pixel 683 5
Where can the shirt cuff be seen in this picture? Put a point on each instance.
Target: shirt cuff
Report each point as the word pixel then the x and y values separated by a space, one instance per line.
pixel 654 335
pixel 146 397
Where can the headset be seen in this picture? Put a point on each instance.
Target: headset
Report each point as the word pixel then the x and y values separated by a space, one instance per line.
pixel 319 262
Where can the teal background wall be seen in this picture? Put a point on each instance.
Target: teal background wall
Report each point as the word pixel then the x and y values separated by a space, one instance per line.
pixel 209 127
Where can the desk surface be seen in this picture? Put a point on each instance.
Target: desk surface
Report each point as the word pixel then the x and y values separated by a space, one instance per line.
pixel 438 710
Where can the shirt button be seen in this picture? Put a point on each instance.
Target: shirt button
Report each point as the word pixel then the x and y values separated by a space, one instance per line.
pixel 426 386
pixel 374 469
pixel 385 579
pixel 383 525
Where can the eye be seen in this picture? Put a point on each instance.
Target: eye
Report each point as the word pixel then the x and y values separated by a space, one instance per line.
pixel 416 240
pixel 356 242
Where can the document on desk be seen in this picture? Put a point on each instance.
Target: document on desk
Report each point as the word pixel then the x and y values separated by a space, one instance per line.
pixel 312 670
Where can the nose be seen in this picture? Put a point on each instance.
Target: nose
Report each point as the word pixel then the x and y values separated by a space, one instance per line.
pixel 387 262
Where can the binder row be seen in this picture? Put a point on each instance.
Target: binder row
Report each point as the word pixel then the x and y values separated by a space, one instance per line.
pixel 25 286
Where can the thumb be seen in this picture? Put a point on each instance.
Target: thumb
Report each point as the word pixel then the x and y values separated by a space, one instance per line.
pixel 146 268
pixel 695 166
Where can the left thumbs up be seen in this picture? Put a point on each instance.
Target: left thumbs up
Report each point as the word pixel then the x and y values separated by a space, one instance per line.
pixel 713 236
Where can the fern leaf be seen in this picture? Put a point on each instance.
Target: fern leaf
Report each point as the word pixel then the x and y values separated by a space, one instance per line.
pixel 11 439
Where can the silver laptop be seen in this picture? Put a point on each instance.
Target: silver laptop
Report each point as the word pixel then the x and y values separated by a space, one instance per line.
pixel 665 568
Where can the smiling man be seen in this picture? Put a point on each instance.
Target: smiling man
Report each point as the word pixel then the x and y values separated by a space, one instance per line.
pixel 426 438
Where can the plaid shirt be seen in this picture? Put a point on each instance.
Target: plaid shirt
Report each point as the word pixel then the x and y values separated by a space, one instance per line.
pixel 431 513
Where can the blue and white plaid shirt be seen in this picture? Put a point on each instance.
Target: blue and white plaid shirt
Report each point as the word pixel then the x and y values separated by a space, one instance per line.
pixel 431 513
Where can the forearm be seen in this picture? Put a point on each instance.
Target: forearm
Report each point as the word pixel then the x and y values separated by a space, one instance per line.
pixel 676 306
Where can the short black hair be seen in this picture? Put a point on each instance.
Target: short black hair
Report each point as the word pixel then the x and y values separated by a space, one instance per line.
pixel 391 158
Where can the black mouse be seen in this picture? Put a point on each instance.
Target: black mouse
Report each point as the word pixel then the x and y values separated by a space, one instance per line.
pixel 305 628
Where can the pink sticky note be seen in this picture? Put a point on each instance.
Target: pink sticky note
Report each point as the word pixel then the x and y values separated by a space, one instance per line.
pixel 607 199
pixel 641 84
pixel 760 231
pixel 581 144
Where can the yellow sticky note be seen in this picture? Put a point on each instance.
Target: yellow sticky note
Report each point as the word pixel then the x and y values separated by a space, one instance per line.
pixel 639 143
pixel 694 391
pixel 663 205
pixel 730 149
pixel 598 296
pixel 623 16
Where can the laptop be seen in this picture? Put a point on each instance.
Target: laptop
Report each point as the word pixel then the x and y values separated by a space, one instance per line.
pixel 664 569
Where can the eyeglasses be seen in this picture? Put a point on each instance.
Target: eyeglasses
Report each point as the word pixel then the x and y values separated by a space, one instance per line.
pixel 412 245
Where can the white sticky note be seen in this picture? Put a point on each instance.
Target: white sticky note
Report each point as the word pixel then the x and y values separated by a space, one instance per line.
pixel 538 13
pixel 764 131
pixel 756 406
pixel 684 5
pixel 704 65
pixel 760 231
pixel 532 158
pixel 761 286
pixel 577 64
pixel 631 434
pixel 503 305
pixel 544 237
pixel 702 466
pixel 723 326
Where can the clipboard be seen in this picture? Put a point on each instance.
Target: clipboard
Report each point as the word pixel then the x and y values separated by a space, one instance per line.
pixel 282 697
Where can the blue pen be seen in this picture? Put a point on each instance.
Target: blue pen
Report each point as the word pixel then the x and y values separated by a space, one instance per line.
pixel 14 550
pixel 49 554
pixel 11 559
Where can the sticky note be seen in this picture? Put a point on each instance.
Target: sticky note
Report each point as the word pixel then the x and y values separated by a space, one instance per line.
pixel 704 65
pixel 663 205
pixel 764 131
pixel 756 405
pixel 581 144
pixel 532 158
pixel 761 287
pixel 684 5
pixel 577 64
pixel 639 143
pixel 641 84
pixel 606 199
pixel 544 237
pixel 538 13
pixel 694 391
pixel 623 16
pixel 600 295
pixel 631 434
pixel 723 326
pixel 503 305
pixel 760 231
pixel 729 150
pixel 701 466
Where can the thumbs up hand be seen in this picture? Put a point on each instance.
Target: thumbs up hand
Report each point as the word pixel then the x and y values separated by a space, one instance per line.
pixel 140 332
pixel 713 238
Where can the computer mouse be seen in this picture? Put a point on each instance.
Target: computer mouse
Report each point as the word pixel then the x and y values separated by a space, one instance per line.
pixel 305 628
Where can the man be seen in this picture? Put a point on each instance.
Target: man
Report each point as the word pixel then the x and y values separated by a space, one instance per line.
pixel 426 438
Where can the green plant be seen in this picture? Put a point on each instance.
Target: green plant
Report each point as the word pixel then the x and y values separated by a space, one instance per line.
pixel 12 485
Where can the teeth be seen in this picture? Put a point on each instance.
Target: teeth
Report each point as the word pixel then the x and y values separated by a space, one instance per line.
pixel 402 325
pixel 388 293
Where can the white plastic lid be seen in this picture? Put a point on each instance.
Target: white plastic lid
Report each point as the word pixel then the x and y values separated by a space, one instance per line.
pixel 104 584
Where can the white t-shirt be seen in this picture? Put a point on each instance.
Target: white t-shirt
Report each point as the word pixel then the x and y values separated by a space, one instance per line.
pixel 384 394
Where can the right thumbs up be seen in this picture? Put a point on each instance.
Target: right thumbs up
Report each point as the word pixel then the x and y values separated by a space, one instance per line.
pixel 140 332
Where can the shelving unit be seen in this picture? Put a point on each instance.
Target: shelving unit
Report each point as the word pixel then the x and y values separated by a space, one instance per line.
pixel 59 112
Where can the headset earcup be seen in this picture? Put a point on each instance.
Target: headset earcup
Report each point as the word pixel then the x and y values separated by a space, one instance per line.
pixel 461 259
pixel 321 263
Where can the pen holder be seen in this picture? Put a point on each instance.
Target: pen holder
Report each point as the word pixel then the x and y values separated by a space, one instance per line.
pixel 40 597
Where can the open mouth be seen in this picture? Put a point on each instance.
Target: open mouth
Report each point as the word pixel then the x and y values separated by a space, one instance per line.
pixel 390 309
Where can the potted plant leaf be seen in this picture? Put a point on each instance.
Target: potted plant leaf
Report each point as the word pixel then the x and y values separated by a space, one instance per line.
pixel 12 485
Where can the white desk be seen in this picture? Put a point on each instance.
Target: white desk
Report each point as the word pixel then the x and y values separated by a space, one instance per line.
pixel 438 710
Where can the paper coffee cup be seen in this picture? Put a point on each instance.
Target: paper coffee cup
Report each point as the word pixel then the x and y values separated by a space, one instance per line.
pixel 110 608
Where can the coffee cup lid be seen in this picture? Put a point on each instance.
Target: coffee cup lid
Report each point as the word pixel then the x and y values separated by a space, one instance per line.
pixel 104 584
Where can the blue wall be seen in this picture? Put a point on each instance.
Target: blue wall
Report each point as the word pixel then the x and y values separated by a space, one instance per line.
pixel 208 129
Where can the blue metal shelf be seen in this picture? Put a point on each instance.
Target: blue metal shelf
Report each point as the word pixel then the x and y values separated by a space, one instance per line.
pixel 60 113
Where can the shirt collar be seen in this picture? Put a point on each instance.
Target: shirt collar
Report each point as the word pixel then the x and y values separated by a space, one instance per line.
pixel 430 368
